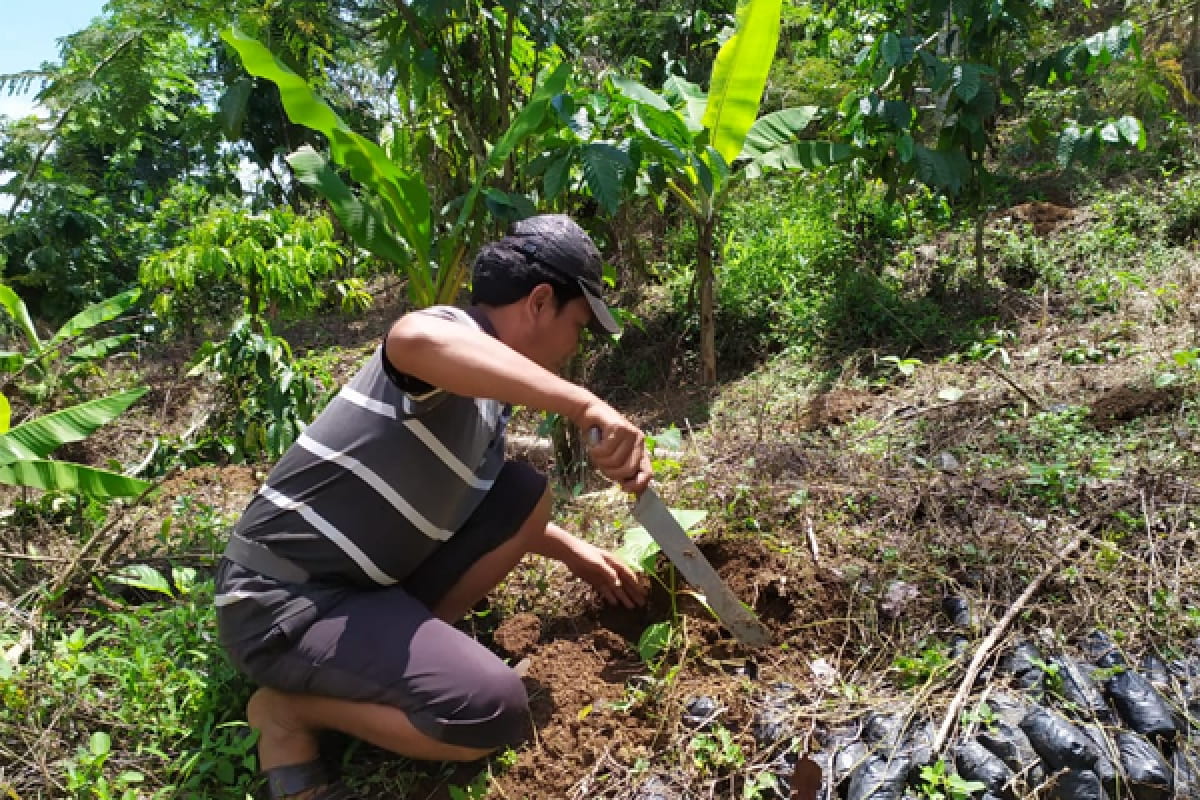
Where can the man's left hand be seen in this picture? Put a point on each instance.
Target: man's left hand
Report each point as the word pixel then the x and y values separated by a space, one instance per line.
pixel 611 577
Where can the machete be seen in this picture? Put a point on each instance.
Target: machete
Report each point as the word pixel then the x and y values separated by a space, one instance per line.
pixel 661 524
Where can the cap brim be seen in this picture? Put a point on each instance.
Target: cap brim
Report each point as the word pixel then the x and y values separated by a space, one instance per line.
pixel 602 319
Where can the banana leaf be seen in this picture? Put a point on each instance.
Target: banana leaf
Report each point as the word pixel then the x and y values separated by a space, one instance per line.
pixel 64 476
pixel 20 314
pixel 39 437
pixel 95 314
pixel 740 74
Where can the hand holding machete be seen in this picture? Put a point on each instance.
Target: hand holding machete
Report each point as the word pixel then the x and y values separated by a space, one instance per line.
pixel 661 524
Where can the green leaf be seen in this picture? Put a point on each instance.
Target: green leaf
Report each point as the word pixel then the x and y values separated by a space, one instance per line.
pixel 604 169
pixel 1067 143
pixel 557 173
pixel 232 107
pixel 670 438
pixel 20 314
pixel 948 171
pixel 11 362
pixel 891 50
pixel 739 76
pixel 967 80
pixel 531 116
pixel 101 348
pixel 777 129
pixel 654 640
pixel 143 576
pixel 5 414
pixel 1132 131
pixel 639 93
pixel 688 518
pixel 693 99
pixel 1110 134
pixel 403 195
pixel 100 744
pixel 804 154
pixel 905 147
pixel 62 476
pixel 365 223
pixel 639 550
pixel 39 437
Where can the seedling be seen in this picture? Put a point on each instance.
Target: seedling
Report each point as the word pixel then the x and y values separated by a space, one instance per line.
pixel 640 551
pixel 937 783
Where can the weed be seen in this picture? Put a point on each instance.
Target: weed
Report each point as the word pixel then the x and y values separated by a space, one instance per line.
pixel 716 751
pixel 929 662
pixel 938 782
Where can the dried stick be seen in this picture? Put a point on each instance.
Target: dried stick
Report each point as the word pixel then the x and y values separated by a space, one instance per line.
pixel 15 653
pixel 988 643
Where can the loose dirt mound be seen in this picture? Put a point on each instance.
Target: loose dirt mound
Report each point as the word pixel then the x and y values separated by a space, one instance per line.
pixel 596 710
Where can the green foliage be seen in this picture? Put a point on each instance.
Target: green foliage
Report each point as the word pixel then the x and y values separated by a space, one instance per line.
pixel 939 782
pixel 71 352
pixel 235 262
pixel 24 450
pixel 151 678
pixel 928 664
pixel 393 218
pixel 716 752
pixel 267 399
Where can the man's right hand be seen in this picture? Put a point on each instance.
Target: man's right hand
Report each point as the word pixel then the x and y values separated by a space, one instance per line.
pixel 617 447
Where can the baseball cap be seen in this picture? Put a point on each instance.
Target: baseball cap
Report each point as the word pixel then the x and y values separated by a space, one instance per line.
pixel 556 242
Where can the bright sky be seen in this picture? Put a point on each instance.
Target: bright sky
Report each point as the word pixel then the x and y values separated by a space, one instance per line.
pixel 29 33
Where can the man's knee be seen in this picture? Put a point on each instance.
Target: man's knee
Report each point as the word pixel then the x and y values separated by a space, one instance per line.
pixel 491 713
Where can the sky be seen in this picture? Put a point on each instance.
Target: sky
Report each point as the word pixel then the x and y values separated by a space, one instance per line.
pixel 29 30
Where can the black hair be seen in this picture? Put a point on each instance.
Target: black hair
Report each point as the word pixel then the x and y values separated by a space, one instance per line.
pixel 502 275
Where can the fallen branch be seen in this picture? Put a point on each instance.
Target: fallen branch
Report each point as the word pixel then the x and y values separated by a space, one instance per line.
pixel 65 577
pixel 986 646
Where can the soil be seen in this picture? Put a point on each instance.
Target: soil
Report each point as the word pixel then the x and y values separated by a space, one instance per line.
pixel 591 720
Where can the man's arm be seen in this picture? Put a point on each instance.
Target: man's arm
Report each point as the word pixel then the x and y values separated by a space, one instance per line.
pixel 468 362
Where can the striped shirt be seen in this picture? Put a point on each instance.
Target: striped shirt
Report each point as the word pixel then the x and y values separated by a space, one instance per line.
pixel 380 478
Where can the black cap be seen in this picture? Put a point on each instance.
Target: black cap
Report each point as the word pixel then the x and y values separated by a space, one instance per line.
pixel 556 242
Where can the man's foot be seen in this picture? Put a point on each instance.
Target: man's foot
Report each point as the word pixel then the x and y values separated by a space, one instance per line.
pixel 308 781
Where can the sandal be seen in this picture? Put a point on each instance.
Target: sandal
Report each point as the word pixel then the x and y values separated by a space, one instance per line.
pixel 312 777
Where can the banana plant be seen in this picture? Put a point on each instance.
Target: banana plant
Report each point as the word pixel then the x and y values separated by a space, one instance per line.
pixel 391 216
pixel 24 449
pixel 688 141
pixel 39 361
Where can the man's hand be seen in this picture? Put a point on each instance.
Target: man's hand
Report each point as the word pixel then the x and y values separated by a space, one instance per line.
pixel 611 577
pixel 617 447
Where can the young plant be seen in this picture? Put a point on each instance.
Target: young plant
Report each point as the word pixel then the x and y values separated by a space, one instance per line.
pixel 43 365
pixel 939 783
pixel 640 551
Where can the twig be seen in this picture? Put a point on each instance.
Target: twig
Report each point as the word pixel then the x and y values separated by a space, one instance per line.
pixel 1017 387
pixel 15 653
pixel 812 541
pixel 988 643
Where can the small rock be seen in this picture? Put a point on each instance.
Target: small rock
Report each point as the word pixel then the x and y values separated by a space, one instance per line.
pixel 946 462
pixel 896 599
pixel 700 713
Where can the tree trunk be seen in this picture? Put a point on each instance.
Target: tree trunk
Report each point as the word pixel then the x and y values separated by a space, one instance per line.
pixel 704 277
pixel 1191 59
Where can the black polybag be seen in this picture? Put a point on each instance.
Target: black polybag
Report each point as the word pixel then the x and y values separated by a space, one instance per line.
pixel 1187 782
pixel 1149 776
pixel 1081 690
pixel 1105 766
pixel 879 778
pixel 1010 744
pixel 1077 784
pixel 976 763
pixel 847 757
pixel 1140 706
pixel 773 722
pixel 1058 742
pixel 1101 650
pixel 1024 662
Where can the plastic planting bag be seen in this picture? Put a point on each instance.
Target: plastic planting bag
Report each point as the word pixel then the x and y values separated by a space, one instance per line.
pixel 1105 767
pixel 1077 784
pixel 1148 775
pixel 1059 743
pixel 1141 707
pixel 1024 664
pixel 976 763
pixel 1080 690
pixel 1010 744
pixel 879 778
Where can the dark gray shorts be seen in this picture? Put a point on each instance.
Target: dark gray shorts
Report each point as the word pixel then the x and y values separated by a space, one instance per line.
pixel 384 645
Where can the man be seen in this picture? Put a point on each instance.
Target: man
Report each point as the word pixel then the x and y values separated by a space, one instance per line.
pixel 395 512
